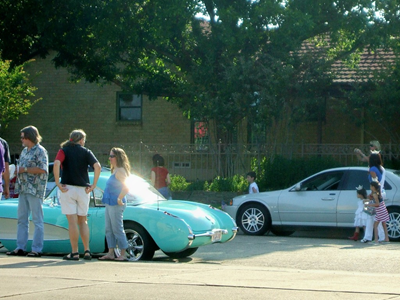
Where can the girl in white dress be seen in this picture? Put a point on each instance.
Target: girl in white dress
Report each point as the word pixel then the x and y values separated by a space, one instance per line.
pixel 360 217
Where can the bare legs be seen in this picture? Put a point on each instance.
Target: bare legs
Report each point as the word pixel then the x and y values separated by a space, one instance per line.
pixel 77 225
pixel 376 224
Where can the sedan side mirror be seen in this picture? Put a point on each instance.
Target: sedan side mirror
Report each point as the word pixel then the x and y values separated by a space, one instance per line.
pixel 298 187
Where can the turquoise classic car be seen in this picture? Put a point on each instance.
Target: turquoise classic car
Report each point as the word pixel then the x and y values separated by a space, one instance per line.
pixel 151 223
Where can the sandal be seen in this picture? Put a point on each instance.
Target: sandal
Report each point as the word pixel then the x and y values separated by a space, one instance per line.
pixel 18 252
pixel 71 256
pixel 121 259
pixel 34 254
pixel 87 255
pixel 106 258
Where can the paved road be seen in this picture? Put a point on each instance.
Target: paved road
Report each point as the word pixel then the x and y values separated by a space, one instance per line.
pixel 307 265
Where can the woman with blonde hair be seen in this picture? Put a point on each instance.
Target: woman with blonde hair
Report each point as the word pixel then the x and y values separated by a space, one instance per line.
pixel 115 203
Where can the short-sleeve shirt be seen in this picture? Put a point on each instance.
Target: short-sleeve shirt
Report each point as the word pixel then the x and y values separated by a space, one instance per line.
pixel 7 158
pixel 75 160
pixel 377 172
pixel 34 184
pixel 253 184
pixel 2 165
pixel 161 177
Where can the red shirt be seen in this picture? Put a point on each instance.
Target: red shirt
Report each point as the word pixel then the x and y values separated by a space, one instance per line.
pixel 161 177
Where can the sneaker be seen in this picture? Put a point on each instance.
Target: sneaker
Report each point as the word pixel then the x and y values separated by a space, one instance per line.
pixel 365 241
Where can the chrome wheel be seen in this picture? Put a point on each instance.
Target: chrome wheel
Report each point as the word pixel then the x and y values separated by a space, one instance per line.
pixel 254 219
pixel 393 226
pixel 140 244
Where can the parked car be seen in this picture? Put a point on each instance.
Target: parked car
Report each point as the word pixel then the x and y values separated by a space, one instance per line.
pixel 326 199
pixel 151 222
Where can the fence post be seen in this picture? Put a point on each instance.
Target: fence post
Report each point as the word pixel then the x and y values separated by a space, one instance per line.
pixel 140 157
pixel 219 157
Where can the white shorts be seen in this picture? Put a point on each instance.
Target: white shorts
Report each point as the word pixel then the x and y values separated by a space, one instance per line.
pixel 75 201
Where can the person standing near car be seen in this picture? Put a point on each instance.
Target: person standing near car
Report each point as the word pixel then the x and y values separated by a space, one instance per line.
pixel 2 168
pixel 376 173
pixel 373 146
pixel 115 203
pixel 6 173
pixel 31 185
pixel 160 178
pixel 75 188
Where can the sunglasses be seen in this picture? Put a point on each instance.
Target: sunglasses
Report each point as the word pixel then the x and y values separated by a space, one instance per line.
pixel 371 145
pixel 111 156
pixel 22 138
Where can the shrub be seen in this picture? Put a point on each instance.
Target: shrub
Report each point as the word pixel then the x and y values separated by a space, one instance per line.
pixel 178 183
pixel 220 184
pixel 279 172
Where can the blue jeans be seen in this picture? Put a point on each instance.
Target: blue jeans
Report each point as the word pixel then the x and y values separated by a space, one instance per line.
pixel 27 204
pixel 115 233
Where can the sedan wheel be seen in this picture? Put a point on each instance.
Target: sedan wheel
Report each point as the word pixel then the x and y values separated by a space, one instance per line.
pixel 393 226
pixel 140 244
pixel 254 219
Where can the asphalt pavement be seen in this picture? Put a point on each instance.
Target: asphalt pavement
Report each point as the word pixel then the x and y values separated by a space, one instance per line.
pixel 307 265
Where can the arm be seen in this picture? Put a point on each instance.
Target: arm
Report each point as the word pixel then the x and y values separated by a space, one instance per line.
pixel 153 178
pixel 31 170
pixel 168 180
pixel 376 200
pixel 361 156
pixel 56 173
pixel 97 170
pixel 254 190
pixel 121 176
pixel 6 175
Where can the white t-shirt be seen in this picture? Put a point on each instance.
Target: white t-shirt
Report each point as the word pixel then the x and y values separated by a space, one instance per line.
pixel 253 185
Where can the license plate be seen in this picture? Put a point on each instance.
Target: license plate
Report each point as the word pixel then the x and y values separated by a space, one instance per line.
pixel 216 236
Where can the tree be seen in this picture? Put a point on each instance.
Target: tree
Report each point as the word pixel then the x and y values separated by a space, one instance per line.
pixel 246 61
pixel 15 92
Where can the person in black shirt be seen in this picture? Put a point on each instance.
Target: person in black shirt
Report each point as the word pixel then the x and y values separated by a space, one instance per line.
pixel 75 188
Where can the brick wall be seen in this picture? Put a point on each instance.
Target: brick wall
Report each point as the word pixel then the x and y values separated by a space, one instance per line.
pixel 66 106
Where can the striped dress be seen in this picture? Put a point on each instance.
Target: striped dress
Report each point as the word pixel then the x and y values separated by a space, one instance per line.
pixel 382 214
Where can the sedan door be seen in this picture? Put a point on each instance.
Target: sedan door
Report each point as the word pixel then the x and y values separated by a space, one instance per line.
pixel 314 203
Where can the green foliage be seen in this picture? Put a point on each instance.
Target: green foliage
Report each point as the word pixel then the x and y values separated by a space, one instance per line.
pixel 198 185
pixel 247 61
pixel 178 183
pixel 272 174
pixel 15 92
pixel 220 184
pixel 240 184
pixel 279 172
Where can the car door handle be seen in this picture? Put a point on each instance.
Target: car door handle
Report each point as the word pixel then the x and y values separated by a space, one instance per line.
pixel 328 199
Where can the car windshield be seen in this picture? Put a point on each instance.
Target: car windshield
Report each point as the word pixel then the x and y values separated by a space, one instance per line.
pixel 140 191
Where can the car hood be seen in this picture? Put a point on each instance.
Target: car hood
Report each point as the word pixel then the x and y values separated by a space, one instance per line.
pixel 198 216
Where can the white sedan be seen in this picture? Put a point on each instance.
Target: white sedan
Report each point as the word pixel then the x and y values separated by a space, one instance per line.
pixel 325 199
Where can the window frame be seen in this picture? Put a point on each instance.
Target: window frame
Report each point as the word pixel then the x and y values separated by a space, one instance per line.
pixel 120 108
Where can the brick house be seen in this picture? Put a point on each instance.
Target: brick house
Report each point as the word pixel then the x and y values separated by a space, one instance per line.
pixel 111 118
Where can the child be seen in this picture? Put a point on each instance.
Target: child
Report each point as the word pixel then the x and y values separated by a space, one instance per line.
pixel 382 215
pixel 360 217
pixel 251 177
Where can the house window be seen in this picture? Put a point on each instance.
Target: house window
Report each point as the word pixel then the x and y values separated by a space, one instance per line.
pixel 200 135
pixel 129 107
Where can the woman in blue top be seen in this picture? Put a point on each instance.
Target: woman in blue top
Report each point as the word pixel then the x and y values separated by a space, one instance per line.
pixel 115 202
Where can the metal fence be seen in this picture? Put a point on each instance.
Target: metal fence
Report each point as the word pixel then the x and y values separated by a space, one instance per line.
pixel 204 162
